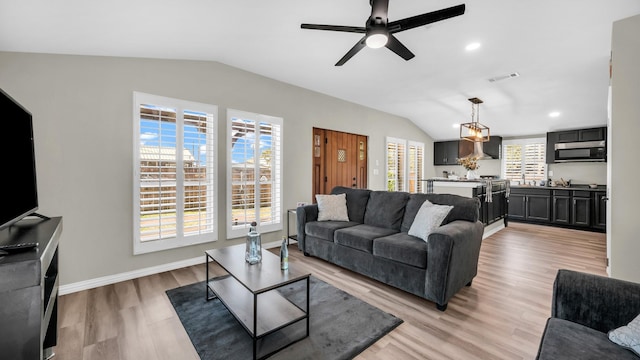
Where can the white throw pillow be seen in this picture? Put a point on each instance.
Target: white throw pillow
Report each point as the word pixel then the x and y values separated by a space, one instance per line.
pixel 428 218
pixel 628 336
pixel 332 207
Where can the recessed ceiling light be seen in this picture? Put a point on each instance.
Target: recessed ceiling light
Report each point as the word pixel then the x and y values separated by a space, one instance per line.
pixel 455 126
pixel 472 46
pixel 554 114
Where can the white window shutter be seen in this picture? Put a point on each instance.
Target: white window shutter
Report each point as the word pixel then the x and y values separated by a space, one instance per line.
pixel 255 172
pixel 174 173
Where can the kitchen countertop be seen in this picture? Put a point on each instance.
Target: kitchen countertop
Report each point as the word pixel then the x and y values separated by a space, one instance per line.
pixel 581 187
pixel 482 181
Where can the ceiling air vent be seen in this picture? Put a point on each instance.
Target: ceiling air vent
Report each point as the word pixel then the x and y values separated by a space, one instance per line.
pixel 504 77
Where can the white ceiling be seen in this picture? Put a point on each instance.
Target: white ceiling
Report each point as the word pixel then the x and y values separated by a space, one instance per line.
pixel 561 50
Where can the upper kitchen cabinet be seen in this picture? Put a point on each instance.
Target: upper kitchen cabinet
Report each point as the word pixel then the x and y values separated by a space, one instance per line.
pixel 445 152
pixel 578 135
pixel 491 148
pixel 594 134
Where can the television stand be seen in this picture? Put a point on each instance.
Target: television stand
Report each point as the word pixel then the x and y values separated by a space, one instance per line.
pixel 43 217
pixel 29 290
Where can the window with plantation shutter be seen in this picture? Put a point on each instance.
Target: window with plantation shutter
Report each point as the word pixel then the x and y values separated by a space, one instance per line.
pixel 524 160
pixel 174 173
pixel 416 165
pixel 254 185
pixel 395 164
pixel 405 163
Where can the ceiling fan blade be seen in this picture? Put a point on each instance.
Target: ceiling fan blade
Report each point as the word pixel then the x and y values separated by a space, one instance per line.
pixel 380 8
pixel 397 47
pixel 354 50
pixel 424 19
pixel 353 29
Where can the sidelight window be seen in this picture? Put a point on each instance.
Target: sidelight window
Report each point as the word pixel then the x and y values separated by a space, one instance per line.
pixel 405 165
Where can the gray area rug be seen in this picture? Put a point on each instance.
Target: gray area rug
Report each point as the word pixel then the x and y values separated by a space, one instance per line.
pixel 341 325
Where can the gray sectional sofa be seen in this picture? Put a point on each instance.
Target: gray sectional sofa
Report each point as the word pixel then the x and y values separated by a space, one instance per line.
pixel 375 241
pixel 584 309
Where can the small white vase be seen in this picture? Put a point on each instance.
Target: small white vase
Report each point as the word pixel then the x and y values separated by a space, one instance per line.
pixel 472 175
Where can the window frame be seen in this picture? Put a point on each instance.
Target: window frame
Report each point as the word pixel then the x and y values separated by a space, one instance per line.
pixel 403 176
pixel 236 231
pixel 180 239
pixel 523 142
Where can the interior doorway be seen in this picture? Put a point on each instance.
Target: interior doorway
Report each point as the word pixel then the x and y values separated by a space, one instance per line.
pixel 339 159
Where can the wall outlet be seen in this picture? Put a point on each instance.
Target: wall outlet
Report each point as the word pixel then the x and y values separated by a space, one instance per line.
pixel 550 173
pixel 375 172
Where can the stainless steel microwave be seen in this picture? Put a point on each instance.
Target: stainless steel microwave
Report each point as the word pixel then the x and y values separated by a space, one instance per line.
pixel 581 151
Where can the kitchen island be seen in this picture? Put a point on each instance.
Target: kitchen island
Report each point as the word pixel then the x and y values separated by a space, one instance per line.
pixel 493 195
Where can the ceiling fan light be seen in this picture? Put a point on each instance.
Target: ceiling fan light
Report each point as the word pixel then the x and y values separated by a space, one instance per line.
pixel 376 41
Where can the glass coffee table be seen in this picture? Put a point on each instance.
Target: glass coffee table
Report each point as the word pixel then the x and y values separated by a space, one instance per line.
pixel 250 294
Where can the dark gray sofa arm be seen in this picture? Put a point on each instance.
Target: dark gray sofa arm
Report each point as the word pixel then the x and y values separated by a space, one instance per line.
pixel 598 302
pixel 452 258
pixel 305 214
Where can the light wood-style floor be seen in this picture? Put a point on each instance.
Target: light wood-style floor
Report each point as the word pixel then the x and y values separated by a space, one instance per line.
pixel 501 316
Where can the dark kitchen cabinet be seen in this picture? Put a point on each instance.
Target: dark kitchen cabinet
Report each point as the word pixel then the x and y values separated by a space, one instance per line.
pixel 491 148
pixel 538 207
pixel 572 207
pixel 600 210
pixel 562 207
pixel 497 208
pixel 595 134
pixel 591 134
pixel 567 136
pixel 516 206
pixel 530 205
pixel 581 208
pixel 492 206
pixel 552 139
pixel 445 152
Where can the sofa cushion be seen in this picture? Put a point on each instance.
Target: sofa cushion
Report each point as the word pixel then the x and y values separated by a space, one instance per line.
pixel 464 208
pixel 332 207
pixel 628 336
pixel 563 339
pixel 325 229
pixel 356 201
pixel 386 209
pixel 360 237
pixel 429 217
pixel 403 248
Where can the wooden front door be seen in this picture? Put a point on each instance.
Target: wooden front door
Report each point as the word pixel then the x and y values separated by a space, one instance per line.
pixel 339 159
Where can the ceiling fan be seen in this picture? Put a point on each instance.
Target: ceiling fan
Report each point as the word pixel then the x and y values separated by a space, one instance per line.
pixel 379 31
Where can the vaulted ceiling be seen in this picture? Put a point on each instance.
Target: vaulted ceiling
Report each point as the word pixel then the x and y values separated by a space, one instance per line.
pixel 559 49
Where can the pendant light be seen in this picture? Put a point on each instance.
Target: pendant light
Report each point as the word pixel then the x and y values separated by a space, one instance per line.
pixel 474 131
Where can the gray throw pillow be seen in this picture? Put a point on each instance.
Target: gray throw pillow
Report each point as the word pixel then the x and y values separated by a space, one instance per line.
pixel 628 336
pixel 332 207
pixel 428 218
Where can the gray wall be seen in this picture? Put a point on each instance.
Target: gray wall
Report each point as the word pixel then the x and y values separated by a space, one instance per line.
pixel 82 108
pixel 623 232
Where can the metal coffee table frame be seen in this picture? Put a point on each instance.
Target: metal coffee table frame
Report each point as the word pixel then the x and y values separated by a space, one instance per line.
pixel 250 293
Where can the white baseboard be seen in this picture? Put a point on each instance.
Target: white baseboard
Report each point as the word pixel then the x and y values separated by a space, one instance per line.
pixel 493 228
pixel 112 279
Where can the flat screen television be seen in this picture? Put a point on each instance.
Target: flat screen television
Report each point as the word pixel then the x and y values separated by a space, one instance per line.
pixel 18 191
